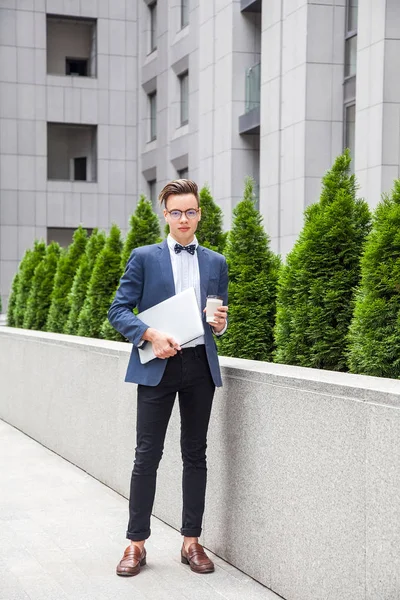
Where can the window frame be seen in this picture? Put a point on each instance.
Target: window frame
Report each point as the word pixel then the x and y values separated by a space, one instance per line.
pixel 349 35
pixel 346 42
pixel 184 13
pixel 151 183
pixel 346 107
pixel 152 26
pixel 152 97
pixel 350 32
pixel 183 77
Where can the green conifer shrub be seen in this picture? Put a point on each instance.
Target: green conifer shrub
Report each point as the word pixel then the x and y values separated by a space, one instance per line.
pixel 102 284
pixel 316 286
pixel 66 269
pixel 80 284
pixel 12 300
pixel 209 231
pixel 253 273
pixel 42 286
pixel 144 230
pixel 374 337
pixel 25 279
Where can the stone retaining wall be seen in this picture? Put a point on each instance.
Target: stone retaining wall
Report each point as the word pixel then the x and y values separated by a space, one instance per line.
pixel 304 465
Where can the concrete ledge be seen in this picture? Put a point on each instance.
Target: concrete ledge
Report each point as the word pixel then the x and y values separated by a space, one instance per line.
pixel 304 465
pixel 249 123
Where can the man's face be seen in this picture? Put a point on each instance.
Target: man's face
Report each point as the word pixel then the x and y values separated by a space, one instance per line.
pixel 182 229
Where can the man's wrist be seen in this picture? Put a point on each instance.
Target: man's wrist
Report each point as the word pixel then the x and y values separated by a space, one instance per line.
pixel 221 331
pixel 149 335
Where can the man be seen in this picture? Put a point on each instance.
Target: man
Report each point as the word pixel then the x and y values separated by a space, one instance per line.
pixel 153 274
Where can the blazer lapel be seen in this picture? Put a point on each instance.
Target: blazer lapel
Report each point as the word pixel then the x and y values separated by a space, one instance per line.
pixel 166 269
pixel 204 269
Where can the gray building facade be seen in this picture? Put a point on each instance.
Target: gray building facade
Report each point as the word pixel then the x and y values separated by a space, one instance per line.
pixel 101 101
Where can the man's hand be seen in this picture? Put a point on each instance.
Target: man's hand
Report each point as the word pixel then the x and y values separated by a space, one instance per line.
pixel 220 317
pixel 164 345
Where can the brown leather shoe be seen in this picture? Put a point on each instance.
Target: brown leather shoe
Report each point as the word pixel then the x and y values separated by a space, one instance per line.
pixel 197 559
pixel 131 561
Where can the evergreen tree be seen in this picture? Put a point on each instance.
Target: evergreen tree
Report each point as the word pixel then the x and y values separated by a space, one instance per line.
pixel 144 230
pixel 12 300
pixel 102 284
pixel 67 267
pixel 209 231
pixel 81 280
pixel 25 279
pixel 374 337
pixel 253 274
pixel 42 286
pixel 316 287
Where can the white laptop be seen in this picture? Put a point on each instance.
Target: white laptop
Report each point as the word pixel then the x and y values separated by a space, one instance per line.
pixel 178 316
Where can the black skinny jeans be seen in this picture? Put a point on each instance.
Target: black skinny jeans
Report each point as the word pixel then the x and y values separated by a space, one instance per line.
pixel 188 374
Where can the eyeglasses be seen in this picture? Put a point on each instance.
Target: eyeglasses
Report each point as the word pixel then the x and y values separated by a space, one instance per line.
pixel 191 213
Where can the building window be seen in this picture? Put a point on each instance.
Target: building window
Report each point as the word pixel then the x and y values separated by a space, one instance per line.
pixel 256 193
pixel 80 169
pixel 76 66
pixel 183 173
pixel 63 235
pixel 72 154
pixel 153 115
pixel 153 26
pixel 153 192
pixel 350 66
pixel 350 131
pixel 352 15
pixel 253 87
pixel 71 46
pixel 184 13
pixel 184 98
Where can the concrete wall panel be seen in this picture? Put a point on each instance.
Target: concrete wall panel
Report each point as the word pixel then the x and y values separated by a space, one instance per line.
pixel 303 487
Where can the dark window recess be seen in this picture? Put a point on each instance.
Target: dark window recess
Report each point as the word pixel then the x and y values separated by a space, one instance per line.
pixel 63 235
pixel 80 169
pixel 76 66
pixel 183 173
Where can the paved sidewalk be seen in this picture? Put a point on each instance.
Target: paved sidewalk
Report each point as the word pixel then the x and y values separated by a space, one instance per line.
pixel 62 533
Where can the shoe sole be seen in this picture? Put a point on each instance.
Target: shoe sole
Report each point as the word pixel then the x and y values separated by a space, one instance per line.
pixel 127 574
pixel 203 572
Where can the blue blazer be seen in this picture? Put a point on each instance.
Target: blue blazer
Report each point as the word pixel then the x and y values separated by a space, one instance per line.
pixel 148 280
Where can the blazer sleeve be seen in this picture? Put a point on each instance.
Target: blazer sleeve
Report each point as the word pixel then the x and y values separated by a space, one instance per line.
pixel 223 292
pixel 127 297
pixel 223 282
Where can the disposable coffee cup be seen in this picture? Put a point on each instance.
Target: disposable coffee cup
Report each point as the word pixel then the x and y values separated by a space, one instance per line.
pixel 213 303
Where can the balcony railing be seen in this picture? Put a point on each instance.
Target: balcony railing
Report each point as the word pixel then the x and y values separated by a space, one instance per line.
pixel 253 86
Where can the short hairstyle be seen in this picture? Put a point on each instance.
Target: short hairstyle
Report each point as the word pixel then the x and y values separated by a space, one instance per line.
pixel 179 186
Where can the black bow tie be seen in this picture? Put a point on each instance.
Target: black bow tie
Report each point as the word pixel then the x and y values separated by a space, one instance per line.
pixel 191 249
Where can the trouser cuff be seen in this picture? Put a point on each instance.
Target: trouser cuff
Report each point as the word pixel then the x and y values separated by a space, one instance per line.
pixel 191 532
pixel 138 537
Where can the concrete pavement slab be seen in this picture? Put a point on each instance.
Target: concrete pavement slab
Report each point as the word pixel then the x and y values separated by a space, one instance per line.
pixel 62 534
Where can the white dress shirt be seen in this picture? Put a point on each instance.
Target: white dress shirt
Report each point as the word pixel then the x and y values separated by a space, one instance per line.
pixel 185 268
